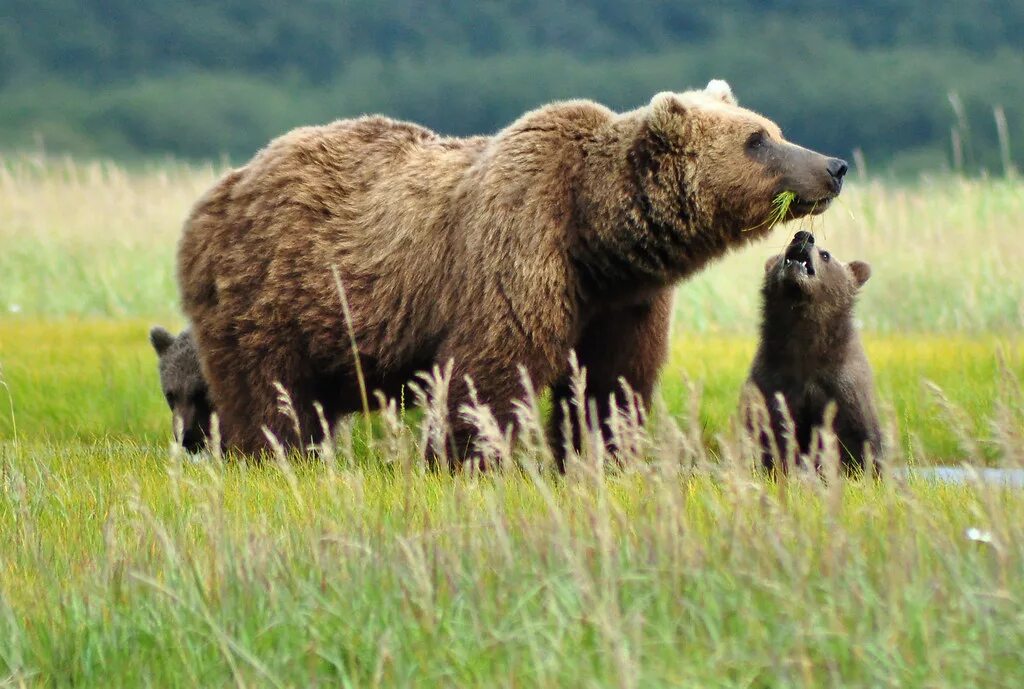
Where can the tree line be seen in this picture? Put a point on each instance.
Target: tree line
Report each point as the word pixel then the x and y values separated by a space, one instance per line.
pixel 137 78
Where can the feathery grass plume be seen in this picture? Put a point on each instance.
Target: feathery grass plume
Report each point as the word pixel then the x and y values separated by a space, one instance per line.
pixel 431 394
pixel 626 424
pixel 287 409
pixel 493 443
pixel 791 449
pixel 326 449
pixel 396 440
pixel 532 438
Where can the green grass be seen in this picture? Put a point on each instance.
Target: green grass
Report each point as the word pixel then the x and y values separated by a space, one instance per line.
pixel 96 380
pixel 119 567
pixel 780 207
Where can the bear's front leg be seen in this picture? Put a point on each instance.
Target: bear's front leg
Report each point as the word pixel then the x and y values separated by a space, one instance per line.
pixel 629 343
pixel 488 373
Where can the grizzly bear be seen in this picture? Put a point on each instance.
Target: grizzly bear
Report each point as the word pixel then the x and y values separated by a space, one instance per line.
pixel 564 231
pixel 183 385
pixel 811 354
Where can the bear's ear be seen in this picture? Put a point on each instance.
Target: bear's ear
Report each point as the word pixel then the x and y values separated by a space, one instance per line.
pixel 770 264
pixel 160 339
pixel 720 90
pixel 861 271
pixel 667 112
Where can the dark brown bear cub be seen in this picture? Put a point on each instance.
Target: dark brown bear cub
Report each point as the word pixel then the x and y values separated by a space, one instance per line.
pixel 810 353
pixel 183 385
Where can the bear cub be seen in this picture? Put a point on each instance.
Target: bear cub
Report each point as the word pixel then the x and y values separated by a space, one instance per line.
pixel 810 352
pixel 184 388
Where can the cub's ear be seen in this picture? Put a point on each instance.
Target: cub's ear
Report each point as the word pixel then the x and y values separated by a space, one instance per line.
pixel 770 264
pixel 860 270
pixel 160 339
pixel 720 90
pixel 667 112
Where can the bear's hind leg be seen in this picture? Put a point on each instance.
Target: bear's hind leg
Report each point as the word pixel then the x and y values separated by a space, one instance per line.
pixel 232 390
pixel 265 402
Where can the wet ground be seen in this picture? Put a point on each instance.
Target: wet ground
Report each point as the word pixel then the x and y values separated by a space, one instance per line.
pixel 1007 477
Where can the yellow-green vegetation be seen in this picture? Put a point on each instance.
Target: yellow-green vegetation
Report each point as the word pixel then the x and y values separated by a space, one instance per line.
pixel 121 568
pixel 96 239
pixel 123 563
pixel 780 207
pixel 96 380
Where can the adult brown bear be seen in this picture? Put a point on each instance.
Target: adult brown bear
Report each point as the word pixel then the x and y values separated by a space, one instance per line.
pixel 564 231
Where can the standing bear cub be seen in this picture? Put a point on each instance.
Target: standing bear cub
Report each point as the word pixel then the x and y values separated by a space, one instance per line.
pixel 564 231
pixel 810 353
pixel 183 385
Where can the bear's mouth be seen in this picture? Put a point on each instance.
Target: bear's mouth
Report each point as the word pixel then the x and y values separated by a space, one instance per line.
pixel 802 207
pixel 798 262
pixel 798 267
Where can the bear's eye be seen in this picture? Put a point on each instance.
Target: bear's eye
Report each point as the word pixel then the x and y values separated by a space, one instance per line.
pixel 826 256
pixel 170 398
pixel 756 140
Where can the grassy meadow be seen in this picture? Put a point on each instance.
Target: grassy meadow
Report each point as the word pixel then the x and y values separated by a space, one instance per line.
pixel 124 563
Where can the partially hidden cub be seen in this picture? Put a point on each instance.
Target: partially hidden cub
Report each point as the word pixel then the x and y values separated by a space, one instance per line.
pixel 183 385
pixel 811 354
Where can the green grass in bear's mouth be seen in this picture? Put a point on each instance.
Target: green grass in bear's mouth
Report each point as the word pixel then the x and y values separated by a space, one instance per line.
pixel 780 207
pixel 779 212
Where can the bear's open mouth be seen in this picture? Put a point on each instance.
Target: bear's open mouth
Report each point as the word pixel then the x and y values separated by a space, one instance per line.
pixel 798 262
pixel 799 267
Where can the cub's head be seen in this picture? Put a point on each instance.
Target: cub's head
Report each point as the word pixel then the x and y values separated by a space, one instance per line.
pixel 184 387
pixel 729 163
pixel 808 276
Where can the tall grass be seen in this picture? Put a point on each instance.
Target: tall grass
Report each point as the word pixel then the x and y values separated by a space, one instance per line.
pixel 97 239
pixel 119 567
pixel 92 238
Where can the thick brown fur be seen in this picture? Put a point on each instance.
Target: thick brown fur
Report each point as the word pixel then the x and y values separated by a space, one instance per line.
pixel 811 354
pixel 564 231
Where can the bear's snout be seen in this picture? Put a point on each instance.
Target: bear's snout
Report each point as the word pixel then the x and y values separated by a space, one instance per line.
pixel 193 440
pixel 837 168
pixel 803 237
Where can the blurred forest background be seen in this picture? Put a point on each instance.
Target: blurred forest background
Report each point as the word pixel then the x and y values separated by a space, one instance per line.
pixel 137 79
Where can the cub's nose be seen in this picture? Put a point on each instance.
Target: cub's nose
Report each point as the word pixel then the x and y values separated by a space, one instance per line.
pixel 803 237
pixel 192 441
pixel 837 167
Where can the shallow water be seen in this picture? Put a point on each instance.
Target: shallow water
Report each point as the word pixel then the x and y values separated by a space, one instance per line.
pixel 1006 477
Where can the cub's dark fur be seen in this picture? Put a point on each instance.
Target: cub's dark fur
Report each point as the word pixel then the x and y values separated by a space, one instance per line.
pixel 184 388
pixel 810 352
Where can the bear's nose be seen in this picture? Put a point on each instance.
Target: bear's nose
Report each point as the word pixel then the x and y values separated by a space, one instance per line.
pixel 803 237
pixel 837 167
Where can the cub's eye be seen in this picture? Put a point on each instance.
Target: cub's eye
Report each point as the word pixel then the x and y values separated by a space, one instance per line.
pixel 826 256
pixel 170 399
pixel 756 140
